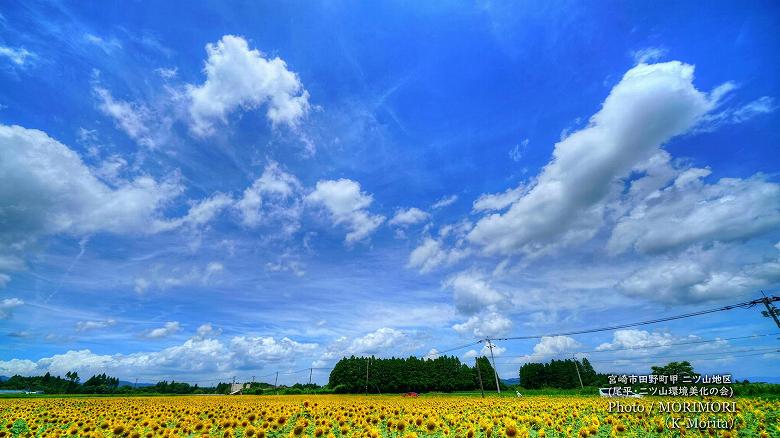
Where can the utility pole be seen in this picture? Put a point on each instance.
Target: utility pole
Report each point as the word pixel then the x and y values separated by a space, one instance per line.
pixel 368 361
pixel 479 374
pixel 493 359
pixel 310 370
pixel 771 310
pixel 136 383
pixel 578 370
pixel 276 379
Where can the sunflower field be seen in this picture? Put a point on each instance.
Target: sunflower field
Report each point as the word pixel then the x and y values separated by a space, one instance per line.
pixel 334 416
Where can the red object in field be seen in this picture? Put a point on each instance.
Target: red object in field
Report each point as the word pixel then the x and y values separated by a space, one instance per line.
pixel 411 394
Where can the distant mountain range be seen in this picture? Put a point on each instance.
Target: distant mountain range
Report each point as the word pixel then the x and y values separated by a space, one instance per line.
pixel 763 379
pixel 512 381
pixel 121 382
pixel 137 385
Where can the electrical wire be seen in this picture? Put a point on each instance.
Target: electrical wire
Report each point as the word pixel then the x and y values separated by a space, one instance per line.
pixel 460 347
pixel 709 353
pixel 743 305
pixel 671 344
pixel 654 358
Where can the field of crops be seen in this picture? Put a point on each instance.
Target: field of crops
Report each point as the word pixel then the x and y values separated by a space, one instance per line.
pixel 355 416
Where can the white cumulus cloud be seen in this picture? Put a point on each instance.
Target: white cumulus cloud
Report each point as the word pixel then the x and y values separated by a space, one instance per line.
pixel 384 341
pixel 432 253
pixel 200 213
pixel 565 203
pixel 633 338
pixel 698 276
pixel 273 198
pixel 169 328
pixel 473 293
pixel 488 323
pixel 552 345
pixel 375 342
pixel 348 206
pixel 203 354
pixel 238 77
pixel 498 201
pixel 7 305
pixel 409 216
pixel 46 189
pixel 690 211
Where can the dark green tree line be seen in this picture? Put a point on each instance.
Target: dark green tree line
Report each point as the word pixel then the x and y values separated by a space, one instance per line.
pixel 97 384
pixel 445 374
pixel 559 374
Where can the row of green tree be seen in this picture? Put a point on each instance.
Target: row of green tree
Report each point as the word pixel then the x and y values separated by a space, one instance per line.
pixel 566 374
pixel 46 383
pixel 104 384
pixel 563 374
pixel 373 375
pixel 97 384
pixel 394 375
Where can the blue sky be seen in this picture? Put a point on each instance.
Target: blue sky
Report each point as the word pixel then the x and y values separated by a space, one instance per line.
pixel 195 191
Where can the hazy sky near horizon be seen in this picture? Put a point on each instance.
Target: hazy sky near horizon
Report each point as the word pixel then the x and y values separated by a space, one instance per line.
pixel 207 189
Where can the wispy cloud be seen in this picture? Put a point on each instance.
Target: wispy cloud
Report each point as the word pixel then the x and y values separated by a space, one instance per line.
pixel 168 329
pixel 445 201
pixel 649 55
pixel 18 56
pixel 107 45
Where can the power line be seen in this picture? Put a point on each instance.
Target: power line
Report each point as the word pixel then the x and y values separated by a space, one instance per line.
pixel 223 379
pixel 709 353
pixel 671 344
pixel 651 360
pixel 460 347
pixel 302 370
pixel 719 356
pixel 743 305
pixel 247 378
pixel 707 341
